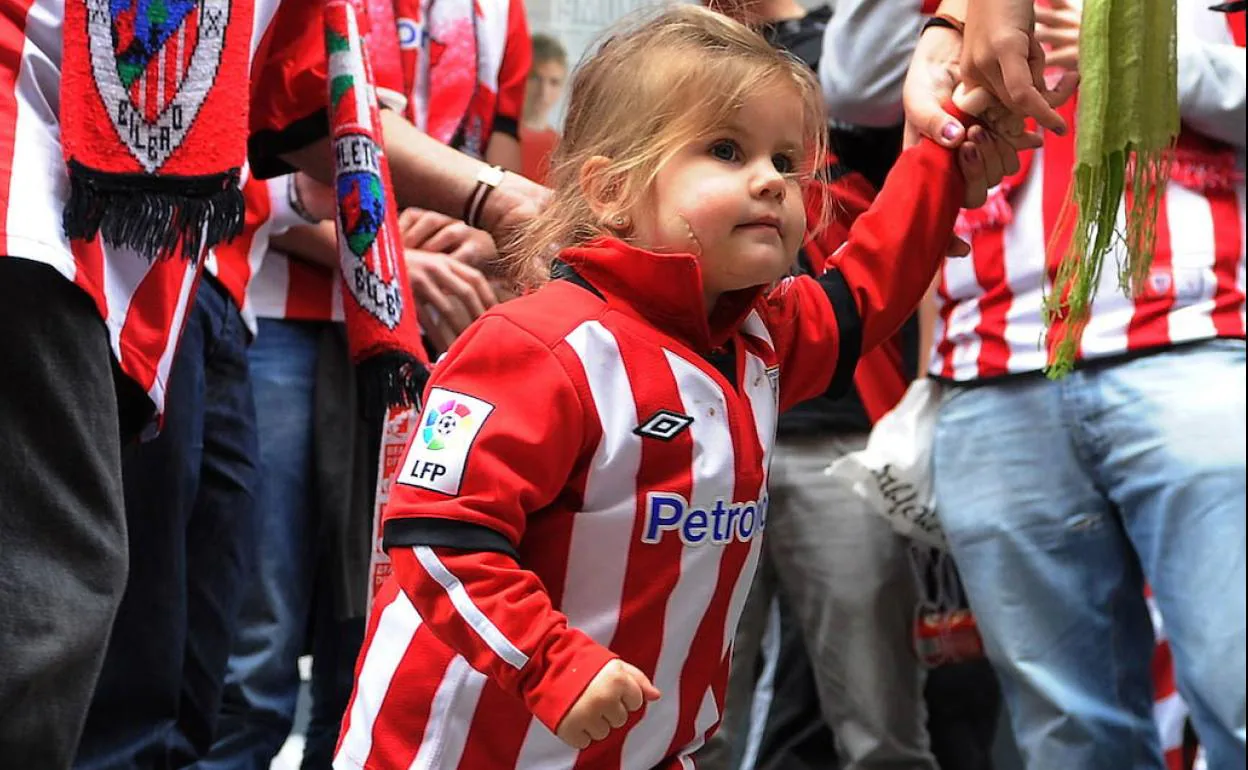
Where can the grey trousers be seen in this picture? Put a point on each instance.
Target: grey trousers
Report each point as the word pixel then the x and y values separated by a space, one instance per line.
pixel 847 579
pixel 62 526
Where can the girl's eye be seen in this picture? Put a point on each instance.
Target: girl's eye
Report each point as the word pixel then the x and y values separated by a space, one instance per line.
pixel 784 164
pixel 725 150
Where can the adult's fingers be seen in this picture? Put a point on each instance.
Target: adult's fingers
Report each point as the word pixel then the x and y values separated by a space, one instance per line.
pixel 1055 18
pixel 465 305
pixel 448 238
pixel 431 323
pixel 482 293
pixel 1065 88
pixel 423 226
pixel 972 165
pixel 434 283
pixel 1019 88
pixel 982 140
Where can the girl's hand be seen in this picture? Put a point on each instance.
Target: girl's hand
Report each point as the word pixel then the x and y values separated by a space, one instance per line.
pixel 618 690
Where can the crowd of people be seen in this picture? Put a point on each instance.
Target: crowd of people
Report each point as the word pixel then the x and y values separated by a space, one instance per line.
pixel 320 338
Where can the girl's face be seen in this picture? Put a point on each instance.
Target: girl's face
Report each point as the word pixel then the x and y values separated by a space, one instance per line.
pixel 733 199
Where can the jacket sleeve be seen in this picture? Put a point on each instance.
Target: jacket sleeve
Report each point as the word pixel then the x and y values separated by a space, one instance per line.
pixel 866 51
pixel 1212 76
pixel 873 282
pixel 289 94
pixel 513 74
pixel 497 440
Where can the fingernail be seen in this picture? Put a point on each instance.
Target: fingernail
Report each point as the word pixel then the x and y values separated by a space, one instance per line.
pixel 972 154
pixel 951 131
pixel 1060 131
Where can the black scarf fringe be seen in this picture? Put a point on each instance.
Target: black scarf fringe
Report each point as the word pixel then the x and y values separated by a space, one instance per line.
pixel 386 380
pixel 156 216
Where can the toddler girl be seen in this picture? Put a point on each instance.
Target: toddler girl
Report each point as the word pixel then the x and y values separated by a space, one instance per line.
pixel 576 523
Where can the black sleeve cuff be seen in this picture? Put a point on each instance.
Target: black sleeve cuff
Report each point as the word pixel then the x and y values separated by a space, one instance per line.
pixel 506 124
pixel 849 329
pixel 265 148
pixel 445 533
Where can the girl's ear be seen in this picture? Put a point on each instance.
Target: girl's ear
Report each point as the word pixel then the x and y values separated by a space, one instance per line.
pixel 601 188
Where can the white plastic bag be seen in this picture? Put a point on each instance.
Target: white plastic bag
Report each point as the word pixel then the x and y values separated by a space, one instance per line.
pixel 894 473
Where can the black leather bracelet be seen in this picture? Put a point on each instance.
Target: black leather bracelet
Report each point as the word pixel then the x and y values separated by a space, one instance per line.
pixel 943 22
pixel 487 179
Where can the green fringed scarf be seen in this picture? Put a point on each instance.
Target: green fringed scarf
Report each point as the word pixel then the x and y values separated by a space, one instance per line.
pixel 1128 119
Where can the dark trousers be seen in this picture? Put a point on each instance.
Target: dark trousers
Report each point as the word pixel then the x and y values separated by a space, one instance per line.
pixel 62 527
pixel 963 705
pixel 189 509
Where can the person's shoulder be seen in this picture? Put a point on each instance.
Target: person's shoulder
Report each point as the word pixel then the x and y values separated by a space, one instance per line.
pixel 550 313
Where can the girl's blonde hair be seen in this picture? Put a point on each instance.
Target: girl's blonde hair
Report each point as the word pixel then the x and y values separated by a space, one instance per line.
pixel 649 90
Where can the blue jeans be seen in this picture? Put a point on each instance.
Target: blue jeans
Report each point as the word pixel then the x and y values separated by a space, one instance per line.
pixel 191 534
pixel 1060 500
pixel 262 685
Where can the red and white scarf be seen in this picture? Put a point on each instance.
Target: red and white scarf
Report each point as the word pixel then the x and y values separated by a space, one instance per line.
pixel 382 332
pixel 154 122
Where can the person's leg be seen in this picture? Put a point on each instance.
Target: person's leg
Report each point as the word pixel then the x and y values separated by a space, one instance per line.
pixel 136 703
pixel 793 734
pixel 221 532
pixel 963 708
pixel 725 748
pixel 62 521
pixel 847 578
pixel 262 683
pixel 1172 431
pixel 336 644
pixel 1051 577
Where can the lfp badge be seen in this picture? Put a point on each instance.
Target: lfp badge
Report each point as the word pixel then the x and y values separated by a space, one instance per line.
pixel 439 452
pixel 369 256
pixel 143 57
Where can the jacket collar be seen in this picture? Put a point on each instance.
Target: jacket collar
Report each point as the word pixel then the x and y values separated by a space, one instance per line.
pixel 665 290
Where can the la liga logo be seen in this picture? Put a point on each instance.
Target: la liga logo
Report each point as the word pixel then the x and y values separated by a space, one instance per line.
pixel 443 423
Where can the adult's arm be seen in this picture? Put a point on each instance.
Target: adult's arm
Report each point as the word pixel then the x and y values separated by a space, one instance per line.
pixel 1212 87
pixel 867 47
pixel 431 175
pixel 1001 53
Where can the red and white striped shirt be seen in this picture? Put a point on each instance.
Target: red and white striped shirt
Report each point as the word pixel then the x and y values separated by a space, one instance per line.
pixel 265 282
pixel 990 321
pixel 478 97
pixel 143 304
pixel 588 480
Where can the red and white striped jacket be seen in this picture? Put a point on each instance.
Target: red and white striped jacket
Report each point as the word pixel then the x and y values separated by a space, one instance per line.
pixel 143 305
pixel 990 320
pixel 588 480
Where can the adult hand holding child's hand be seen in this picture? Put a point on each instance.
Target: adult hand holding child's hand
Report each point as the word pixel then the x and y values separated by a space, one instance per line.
pixel 618 690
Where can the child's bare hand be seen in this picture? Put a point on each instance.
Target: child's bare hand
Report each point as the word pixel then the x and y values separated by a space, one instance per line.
pixel 611 696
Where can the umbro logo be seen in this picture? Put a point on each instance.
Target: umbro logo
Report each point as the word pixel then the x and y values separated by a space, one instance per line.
pixel 664 425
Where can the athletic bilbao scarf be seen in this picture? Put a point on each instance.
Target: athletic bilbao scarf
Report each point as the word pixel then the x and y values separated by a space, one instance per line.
pixel 382 332
pixel 154 122
pixel 1127 123
pixel 442 51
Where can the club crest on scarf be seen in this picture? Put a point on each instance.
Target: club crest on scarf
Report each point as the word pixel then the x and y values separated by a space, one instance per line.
pixel 153 62
pixel 373 277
